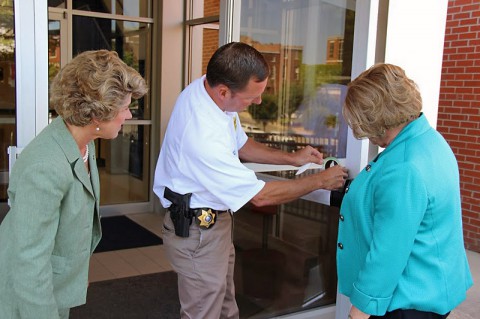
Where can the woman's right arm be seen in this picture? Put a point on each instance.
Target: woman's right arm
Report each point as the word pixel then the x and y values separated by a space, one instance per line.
pixel 38 195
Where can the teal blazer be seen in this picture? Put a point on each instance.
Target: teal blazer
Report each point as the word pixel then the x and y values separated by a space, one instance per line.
pixel 52 228
pixel 400 239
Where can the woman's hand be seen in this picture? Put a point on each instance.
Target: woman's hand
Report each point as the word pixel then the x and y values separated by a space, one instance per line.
pixel 355 313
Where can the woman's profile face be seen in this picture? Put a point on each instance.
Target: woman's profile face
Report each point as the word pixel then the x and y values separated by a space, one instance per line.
pixel 110 129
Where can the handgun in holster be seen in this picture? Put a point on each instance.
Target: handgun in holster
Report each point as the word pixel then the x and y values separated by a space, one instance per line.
pixel 180 212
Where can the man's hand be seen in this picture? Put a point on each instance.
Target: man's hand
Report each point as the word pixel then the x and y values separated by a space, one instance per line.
pixel 284 191
pixel 306 155
pixel 334 177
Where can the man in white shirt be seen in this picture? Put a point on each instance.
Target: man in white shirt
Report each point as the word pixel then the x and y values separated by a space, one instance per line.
pixel 200 157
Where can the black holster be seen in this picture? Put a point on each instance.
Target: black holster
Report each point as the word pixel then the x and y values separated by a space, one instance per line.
pixel 180 212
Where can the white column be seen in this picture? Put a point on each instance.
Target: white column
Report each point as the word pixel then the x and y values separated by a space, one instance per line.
pixel 31 56
pixel 415 38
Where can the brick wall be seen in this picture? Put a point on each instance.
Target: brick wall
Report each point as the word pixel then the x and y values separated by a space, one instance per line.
pixel 459 107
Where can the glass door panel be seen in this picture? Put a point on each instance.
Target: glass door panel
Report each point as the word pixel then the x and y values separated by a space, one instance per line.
pixel 202 36
pixel 124 161
pixel 132 8
pixel 7 92
pixel 203 43
pixel 57 49
pixel 57 3
pixel 123 166
pixel 286 253
pixel 308 45
pixel 285 258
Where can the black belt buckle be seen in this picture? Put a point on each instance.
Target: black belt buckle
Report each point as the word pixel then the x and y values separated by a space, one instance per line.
pixel 205 217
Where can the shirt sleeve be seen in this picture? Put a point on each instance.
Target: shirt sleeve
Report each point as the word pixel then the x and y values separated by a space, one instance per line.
pixel 241 135
pixel 399 204
pixel 219 173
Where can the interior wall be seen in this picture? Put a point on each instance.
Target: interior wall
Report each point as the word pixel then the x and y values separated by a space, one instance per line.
pixel 171 66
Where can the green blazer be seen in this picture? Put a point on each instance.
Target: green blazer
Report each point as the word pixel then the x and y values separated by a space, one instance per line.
pixel 52 228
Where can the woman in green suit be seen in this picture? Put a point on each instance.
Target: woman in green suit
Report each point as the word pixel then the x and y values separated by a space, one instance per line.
pixel 53 225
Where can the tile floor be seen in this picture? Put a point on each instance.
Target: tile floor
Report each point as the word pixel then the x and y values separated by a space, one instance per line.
pixel 145 260
pixel 131 262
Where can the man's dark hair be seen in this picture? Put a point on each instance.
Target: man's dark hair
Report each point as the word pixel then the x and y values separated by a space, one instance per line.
pixel 234 64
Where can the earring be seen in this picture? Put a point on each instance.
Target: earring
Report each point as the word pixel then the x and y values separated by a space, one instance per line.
pixel 97 129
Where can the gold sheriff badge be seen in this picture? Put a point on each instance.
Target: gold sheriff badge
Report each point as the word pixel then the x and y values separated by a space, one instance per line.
pixel 206 218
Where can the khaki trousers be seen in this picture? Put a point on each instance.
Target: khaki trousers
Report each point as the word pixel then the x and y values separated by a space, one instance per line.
pixel 204 262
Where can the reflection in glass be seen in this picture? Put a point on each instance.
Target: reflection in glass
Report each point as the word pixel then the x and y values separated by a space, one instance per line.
pixel 286 253
pixel 201 39
pixel 7 91
pixel 57 3
pixel 132 8
pixel 123 166
pixel 202 9
pixel 129 39
pixel 54 56
pixel 308 45
pixel 123 162
pixel 203 43
pixel 285 258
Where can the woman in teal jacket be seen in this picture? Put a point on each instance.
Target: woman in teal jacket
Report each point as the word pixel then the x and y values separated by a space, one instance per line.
pixel 400 243
pixel 53 224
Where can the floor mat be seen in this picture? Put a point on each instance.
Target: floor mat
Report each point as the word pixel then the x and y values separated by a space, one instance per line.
pixel 141 297
pixel 120 232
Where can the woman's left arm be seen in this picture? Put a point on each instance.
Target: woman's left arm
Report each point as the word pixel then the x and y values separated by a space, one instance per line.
pixel 398 207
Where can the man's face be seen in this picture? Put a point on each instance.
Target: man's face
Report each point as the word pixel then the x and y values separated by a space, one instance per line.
pixel 252 94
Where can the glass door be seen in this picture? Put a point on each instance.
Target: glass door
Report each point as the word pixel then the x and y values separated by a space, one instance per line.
pixel 57 48
pixel 7 95
pixel 286 253
pixel 23 81
pixel 77 26
pixel 308 46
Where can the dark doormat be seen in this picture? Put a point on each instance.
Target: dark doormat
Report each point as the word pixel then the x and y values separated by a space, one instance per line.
pixel 153 296
pixel 150 296
pixel 120 232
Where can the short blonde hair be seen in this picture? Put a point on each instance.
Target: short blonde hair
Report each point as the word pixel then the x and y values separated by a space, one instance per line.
pixel 380 98
pixel 93 86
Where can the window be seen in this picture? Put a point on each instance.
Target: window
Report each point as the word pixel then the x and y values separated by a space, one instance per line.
pixel 202 36
pixel 286 253
pixel 308 46
pixel 132 8
pixel 124 27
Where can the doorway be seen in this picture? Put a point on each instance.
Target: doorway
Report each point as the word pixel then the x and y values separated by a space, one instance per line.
pixel 74 27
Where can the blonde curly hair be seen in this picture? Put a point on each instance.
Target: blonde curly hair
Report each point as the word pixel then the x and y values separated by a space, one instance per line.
pixel 93 86
pixel 380 98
